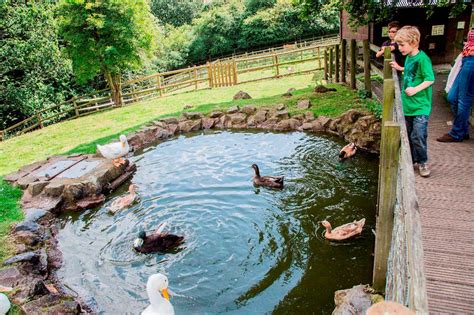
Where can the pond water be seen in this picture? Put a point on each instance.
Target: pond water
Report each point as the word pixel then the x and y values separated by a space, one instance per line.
pixel 248 250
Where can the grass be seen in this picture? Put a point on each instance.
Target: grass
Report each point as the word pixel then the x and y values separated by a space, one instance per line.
pixel 83 134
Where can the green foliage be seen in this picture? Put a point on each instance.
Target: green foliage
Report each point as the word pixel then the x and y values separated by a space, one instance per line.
pixel 252 6
pixel 175 47
pixel 175 13
pixel 364 94
pixel 34 74
pixel 373 106
pixel 107 36
pixel 9 212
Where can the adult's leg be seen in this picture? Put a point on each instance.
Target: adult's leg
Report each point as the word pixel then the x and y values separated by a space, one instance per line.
pixel 465 97
pixel 419 137
pixel 453 96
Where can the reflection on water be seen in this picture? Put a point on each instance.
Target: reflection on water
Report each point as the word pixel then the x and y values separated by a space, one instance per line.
pixel 248 250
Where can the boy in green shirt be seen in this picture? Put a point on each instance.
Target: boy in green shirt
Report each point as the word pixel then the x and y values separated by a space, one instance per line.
pixel 416 94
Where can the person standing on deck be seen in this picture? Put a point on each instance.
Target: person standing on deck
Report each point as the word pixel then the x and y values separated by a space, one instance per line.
pixel 393 28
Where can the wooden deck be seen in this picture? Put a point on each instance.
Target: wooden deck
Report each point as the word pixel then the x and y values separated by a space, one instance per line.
pixel 446 201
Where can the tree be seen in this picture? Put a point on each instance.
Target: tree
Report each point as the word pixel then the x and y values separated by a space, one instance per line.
pixel 33 72
pixel 107 37
pixel 176 13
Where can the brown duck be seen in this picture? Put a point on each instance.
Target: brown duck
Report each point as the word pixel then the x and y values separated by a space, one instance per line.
pixel 156 242
pixel 268 181
pixel 348 151
pixel 344 231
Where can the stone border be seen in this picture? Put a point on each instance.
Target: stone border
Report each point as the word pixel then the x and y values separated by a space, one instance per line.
pixel 32 270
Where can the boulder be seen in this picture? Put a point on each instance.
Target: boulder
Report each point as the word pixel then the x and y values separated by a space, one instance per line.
pixel 170 120
pixel 35 188
pixel 303 104
pixel 248 109
pixel 306 126
pixel 193 115
pixel 233 110
pixel 237 118
pixel 10 277
pixel 90 202
pixel 283 114
pixel 56 188
pixel 172 129
pixel 280 107
pixel 27 226
pixel 289 93
pixel 208 123
pixel 215 114
pixel 190 125
pixel 241 95
pixel 32 257
pixel 288 124
pixel 309 116
pixel 260 116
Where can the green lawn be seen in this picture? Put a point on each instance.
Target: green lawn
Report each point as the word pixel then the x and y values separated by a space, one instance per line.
pixel 81 135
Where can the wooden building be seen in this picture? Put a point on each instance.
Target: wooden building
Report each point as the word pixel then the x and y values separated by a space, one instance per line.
pixel 441 36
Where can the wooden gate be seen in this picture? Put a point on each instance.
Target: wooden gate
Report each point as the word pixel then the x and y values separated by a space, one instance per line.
pixel 222 74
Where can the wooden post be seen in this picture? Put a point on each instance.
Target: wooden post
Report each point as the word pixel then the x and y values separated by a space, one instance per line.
pixel 387 69
pixel 158 83
pixel 331 63
pixel 195 78
pixel 1 135
pixel 235 71
pixel 388 100
pixel 367 82
pixel 336 71
pixel 389 155
pixel 325 65
pixel 387 53
pixel 275 63
pixel 38 117
pixel 319 58
pixel 209 74
pixel 343 60
pixel 74 103
pixel 352 49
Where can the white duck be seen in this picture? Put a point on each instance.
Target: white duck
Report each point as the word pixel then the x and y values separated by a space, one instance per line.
pixel 115 151
pixel 157 290
pixel 4 304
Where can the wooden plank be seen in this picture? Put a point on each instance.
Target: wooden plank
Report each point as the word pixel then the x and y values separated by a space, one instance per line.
pixel 353 64
pixel 343 60
pixel 336 71
pixel 367 81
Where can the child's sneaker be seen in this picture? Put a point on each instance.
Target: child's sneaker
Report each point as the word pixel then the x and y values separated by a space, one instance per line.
pixel 424 170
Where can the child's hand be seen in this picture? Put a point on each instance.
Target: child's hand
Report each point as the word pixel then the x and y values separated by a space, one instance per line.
pixel 410 91
pixel 396 66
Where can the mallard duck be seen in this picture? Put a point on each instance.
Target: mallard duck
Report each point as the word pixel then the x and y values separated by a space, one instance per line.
pixel 157 290
pixel 156 242
pixel 344 231
pixel 268 181
pixel 348 151
pixel 4 304
pixel 124 201
pixel 115 151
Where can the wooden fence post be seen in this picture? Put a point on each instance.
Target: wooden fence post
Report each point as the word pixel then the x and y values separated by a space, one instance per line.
pixel 1 135
pixel 389 155
pixel 74 103
pixel 319 58
pixel 343 60
pixel 367 82
pixel 331 63
pixel 387 69
pixel 209 74
pixel 387 53
pixel 336 72
pixel 195 78
pixel 235 71
pixel 38 117
pixel 388 100
pixel 158 83
pixel 275 62
pixel 352 49
pixel 325 64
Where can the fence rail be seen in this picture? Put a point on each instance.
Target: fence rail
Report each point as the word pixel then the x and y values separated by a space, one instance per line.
pixel 224 72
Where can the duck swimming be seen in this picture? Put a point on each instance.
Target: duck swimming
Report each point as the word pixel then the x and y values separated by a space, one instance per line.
pixel 124 201
pixel 268 181
pixel 157 290
pixel 115 151
pixel 348 151
pixel 344 231
pixel 156 242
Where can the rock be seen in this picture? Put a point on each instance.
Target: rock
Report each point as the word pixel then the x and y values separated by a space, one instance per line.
pixel 32 257
pixel 233 110
pixel 309 116
pixel 350 116
pixel 24 182
pixel 188 106
pixel 288 124
pixel 36 188
pixel 55 258
pixel 324 121
pixel 172 129
pixel 160 124
pixel 303 104
pixel 54 189
pixel 51 304
pixel 27 238
pixel 241 95
pixel 280 107
pixel 299 117
pixel 352 301
pixel 208 123
pixel 215 114
pixel 223 122
pixel 238 118
pixel 170 120
pixel 190 125
pixel 283 114
pixel 10 277
pixel 134 140
pixel 269 124
pixel 248 109
pixel 90 202
pixel 260 116
pixel 28 226
pixel 323 89
pixel 307 126
pixel 289 93
pixel 34 214
pixel 193 115
pixel 162 134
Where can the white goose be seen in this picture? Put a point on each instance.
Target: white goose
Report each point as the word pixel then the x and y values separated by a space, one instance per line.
pixel 157 290
pixel 4 304
pixel 115 151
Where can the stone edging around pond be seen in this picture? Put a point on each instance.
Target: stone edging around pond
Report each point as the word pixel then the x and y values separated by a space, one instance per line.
pixel 32 271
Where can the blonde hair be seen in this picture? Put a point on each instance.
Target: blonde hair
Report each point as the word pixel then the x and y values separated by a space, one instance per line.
pixel 408 34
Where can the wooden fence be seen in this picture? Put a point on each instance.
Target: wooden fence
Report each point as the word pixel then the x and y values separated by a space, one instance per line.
pixel 211 75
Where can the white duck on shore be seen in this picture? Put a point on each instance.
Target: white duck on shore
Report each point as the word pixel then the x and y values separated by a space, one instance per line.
pixel 4 304
pixel 115 151
pixel 157 290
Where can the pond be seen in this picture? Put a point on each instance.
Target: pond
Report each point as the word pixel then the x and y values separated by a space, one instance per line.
pixel 248 250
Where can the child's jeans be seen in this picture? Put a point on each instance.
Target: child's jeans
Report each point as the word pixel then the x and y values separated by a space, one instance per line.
pixel 417 129
pixel 460 96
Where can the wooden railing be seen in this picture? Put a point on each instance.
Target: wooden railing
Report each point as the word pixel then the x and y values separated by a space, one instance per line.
pixel 211 75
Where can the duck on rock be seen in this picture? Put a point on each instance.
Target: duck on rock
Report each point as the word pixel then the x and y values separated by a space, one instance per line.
pixel 267 181
pixel 344 231
pixel 125 201
pixel 157 290
pixel 156 242
pixel 348 151
pixel 115 151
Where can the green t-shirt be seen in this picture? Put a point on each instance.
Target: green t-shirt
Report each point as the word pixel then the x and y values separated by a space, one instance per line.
pixel 418 69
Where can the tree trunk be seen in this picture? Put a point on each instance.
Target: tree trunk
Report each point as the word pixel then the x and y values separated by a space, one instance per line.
pixel 115 84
